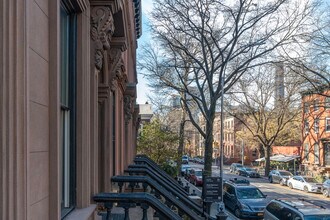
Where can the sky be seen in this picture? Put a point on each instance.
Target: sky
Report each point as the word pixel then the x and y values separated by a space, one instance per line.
pixel 142 88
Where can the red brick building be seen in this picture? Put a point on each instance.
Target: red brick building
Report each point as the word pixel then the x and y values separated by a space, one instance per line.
pixel 316 130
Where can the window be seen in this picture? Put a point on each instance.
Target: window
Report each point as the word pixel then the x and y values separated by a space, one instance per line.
pixel 67 98
pixel 316 153
pixel 316 105
pixel 275 209
pixel 327 124
pixel 316 125
pixel 306 125
pixel 306 107
pixel 327 103
pixel 306 151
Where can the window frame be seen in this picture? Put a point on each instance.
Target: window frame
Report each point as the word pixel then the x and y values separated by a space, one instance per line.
pixel 316 125
pixel 68 42
pixel 317 153
pixel 327 124
pixel 306 152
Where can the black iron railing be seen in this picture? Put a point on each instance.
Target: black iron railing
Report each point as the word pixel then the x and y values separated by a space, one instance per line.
pixel 144 169
pixel 182 204
pixel 127 200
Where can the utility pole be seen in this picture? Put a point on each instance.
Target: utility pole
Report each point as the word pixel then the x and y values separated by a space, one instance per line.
pixel 242 152
pixel 221 206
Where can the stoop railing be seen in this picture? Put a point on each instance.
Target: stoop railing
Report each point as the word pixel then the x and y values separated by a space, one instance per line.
pixel 147 185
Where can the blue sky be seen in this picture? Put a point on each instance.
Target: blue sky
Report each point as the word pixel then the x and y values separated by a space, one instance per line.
pixel 142 89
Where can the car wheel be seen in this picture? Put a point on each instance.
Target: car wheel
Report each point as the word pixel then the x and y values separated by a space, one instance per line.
pixel 326 193
pixel 305 188
pixel 282 183
pixel 237 213
pixel 290 185
pixel 270 179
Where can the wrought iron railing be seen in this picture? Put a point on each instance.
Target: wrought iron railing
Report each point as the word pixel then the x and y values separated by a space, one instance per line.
pixel 183 204
pixel 107 201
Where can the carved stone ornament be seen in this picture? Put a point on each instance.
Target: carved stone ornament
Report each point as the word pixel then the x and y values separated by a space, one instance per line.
pixel 102 28
pixel 128 108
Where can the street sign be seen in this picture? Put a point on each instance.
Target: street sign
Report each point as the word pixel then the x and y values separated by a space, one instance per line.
pixel 211 189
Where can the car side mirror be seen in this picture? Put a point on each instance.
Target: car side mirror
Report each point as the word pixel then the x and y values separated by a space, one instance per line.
pixel 265 196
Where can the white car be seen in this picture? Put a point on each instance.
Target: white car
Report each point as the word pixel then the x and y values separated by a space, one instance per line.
pixel 308 184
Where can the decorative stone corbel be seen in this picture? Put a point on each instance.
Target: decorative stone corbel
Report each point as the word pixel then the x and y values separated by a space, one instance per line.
pixel 102 28
pixel 128 108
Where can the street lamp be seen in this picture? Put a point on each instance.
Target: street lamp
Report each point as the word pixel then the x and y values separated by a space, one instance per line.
pixel 221 207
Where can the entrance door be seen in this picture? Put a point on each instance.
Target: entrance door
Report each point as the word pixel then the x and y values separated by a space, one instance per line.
pixel 327 154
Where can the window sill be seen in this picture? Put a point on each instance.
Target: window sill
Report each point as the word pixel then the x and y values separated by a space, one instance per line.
pixel 81 214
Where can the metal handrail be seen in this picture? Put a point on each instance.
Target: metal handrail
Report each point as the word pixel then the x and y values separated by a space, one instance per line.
pixel 145 159
pixel 147 170
pixel 182 203
pixel 135 198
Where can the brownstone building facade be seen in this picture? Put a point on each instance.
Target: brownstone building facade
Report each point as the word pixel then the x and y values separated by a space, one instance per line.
pixel 316 131
pixel 68 119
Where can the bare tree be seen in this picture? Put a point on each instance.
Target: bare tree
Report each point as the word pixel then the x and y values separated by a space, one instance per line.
pixel 206 41
pixel 268 109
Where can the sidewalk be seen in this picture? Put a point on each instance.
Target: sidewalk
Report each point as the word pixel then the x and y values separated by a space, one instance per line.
pixel 198 192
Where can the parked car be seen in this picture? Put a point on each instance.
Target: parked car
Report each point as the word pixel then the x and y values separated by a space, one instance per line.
pixel 185 159
pixel 196 177
pixel 308 184
pixel 184 167
pixel 234 167
pixel 188 173
pixel 295 209
pixel 248 172
pixel 326 188
pixel 279 176
pixel 245 200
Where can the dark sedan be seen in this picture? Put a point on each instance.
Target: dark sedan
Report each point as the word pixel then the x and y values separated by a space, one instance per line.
pixel 248 172
pixel 246 201
pixel 326 188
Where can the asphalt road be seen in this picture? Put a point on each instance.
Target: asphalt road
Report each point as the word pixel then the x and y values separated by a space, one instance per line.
pixel 273 191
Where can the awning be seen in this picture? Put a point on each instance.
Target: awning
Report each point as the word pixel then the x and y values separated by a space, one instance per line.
pixel 280 158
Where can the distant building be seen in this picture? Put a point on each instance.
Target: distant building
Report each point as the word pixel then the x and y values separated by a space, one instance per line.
pixel 145 112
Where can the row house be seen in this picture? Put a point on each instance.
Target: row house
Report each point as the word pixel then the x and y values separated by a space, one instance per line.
pixel 234 148
pixel 316 131
pixel 68 114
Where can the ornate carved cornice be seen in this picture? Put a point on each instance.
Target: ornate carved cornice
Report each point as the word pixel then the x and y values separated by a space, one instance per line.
pixel 102 28
pixel 116 5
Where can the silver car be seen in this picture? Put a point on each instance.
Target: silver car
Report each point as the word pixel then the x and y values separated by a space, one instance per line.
pixel 308 184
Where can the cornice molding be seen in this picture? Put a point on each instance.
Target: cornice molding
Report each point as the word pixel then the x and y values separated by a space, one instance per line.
pixel 102 28
pixel 115 5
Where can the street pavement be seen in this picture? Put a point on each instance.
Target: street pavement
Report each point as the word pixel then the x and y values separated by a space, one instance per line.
pixel 273 191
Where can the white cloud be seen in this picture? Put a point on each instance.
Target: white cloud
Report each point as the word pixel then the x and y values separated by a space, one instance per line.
pixel 147 6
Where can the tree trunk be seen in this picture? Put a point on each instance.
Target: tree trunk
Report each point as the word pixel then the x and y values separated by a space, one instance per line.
pixel 267 159
pixel 208 148
pixel 181 138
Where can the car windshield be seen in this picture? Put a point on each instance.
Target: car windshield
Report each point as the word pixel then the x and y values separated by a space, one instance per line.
pixel 249 169
pixel 310 180
pixel 198 173
pixel 317 217
pixel 284 173
pixel 249 193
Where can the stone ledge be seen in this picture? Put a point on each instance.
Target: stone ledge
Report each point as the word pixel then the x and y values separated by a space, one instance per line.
pixel 81 214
